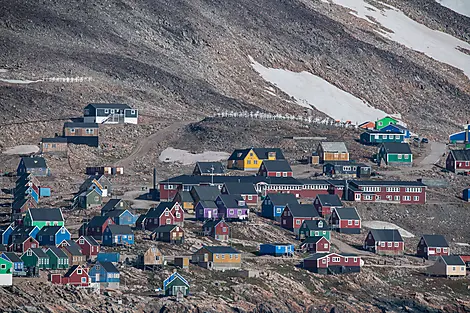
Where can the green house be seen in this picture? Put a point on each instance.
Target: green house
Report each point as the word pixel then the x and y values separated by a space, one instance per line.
pixel 377 137
pixel 314 228
pixel 6 267
pixel 384 122
pixel 175 284
pixel 395 154
pixel 35 257
pixel 41 217
pixel 57 258
pixel 90 199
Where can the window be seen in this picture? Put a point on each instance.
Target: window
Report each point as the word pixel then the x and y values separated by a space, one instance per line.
pixel 397 136
pixel 397 244
pixel 3 266
pixel 350 222
pixel 416 198
pixel 389 244
pixel 335 260
pixel 251 154
pixel 62 230
pixel 278 174
pixel 112 111
pixel 168 221
pixel 29 253
pixel 444 250
pixel 72 130
pixel 106 111
pixel 255 161
pixel 224 229
pixel 323 261
pixel 438 250
pixel 83 280
pixel 167 213
pixel 355 259
pixel 79 272
pixel 453 268
pixel 356 222
pixel 231 256
pixel 97 198
pixel 325 245
pixel 380 123
pixel 406 156
pixel 400 156
pixel 216 256
pixel 390 136
pixel 178 215
pixel 283 222
pixel 406 198
pixel 133 112
pixel 382 244
pixel 54 145
pixel 248 162
pixel 223 256
pixel 51 238
pixel 250 197
pixel 462 268
pixel 89 131
pixel 397 198
pixel 284 174
pixel 297 222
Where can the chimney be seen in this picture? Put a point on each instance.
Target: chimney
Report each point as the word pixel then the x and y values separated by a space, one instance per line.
pixel 154 178
pixel 346 190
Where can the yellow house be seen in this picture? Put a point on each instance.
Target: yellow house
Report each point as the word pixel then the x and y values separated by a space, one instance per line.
pixel 250 159
pixel 218 258
pixel 449 266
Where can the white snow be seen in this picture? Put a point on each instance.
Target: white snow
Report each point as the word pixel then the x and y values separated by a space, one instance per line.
pixel 312 91
pixel 23 149
pixel 459 6
pixel 387 225
pixel 462 244
pixel 186 158
pixel 3 70
pixel 18 81
pixel 435 44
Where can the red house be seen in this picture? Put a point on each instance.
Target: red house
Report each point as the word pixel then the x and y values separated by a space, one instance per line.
pixel 316 244
pixel 95 227
pixel 295 214
pixel 218 229
pixel 312 187
pixel 325 204
pixel 22 244
pixel 90 247
pixel 346 220
pixel 458 161
pixel 246 190
pixel 166 213
pixel 384 242
pixel 403 192
pixel 76 275
pixel 432 246
pixel 332 263
pixel 275 168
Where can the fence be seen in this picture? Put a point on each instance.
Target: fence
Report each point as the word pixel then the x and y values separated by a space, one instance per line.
pixel 68 79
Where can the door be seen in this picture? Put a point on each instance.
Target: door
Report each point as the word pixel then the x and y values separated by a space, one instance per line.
pixel 97 277
pixel 209 214
pixel 177 289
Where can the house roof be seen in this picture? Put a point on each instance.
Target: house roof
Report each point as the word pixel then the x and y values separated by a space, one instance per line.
pixel 110 205
pixel 383 131
pixel 233 201
pixel 347 213
pixel 313 224
pixel 317 256
pixel 49 230
pixel 339 147
pixel 39 252
pixel 97 221
pixel 54 139
pixel 13 257
pixel 277 165
pixel 461 155
pixel 158 211
pixel 435 241
pixel 26 230
pixel 34 162
pixel 220 180
pixel 261 153
pixel 208 204
pixel 453 260
pixel 397 126
pixel 185 196
pixel 71 270
pixel 164 228
pixel 347 163
pixel 210 167
pixel 386 235
pixel 206 192
pixel 108 267
pixel 302 210
pixel 282 198
pixel 386 183
pixel 58 252
pixel 80 125
pixel 108 106
pixel 330 200
pixel 221 249
pixel 396 147
pixel 74 248
pixel 3 247
pixel 240 188
pixel 313 239
pixel 120 229
pixel 91 240
pixel 172 277
pixel 212 223
pixel 43 214
pixel 115 213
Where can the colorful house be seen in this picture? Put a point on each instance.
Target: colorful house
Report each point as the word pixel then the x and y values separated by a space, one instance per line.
pixel 218 229
pixel 118 235
pixel 218 258
pixel 186 200
pixel 36 257
pixel 33 165
pixel 458 161
pixel 332 263
pixel 314 228
pixel 23 232
pixel 114 204
pixel 250 159
pixel 6 272
pixel 325 204
pixel 375 137
pixel 384 122
pixel 448 266
pixel 52 235
pixel 5 233
pixel 403 192
pixel 275 168
pixel 22 243
pixel 395 154
pixel 41 217
pixel 18 264
pixel 274 203
pixel 209 168
pixel 76 276
pixel 204 193
pixel 348 169
pixel 384 242
pixel 232 207
pixel 277 249
pixel 99 182
pixel 169 233
pixel 89 199
pixel 175 284
pixel 106 274
pixel 345 220
pixel 295 214
pixel 246 190
pixel 206 210
pixel 315 244
pixel 166 213
pixel 89 246
pixel 58 259
pixel 152 257
pixel 73 252
pixel 122 217
pixel 55 145
pixel 96 226
pixel 332 151
pixel 432 246
pixel 397 128
pixel 27 191
pixel 110 113
pixel 367 125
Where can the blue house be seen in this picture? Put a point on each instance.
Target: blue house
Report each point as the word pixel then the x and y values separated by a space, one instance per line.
pixel 108 257
pixel 106 274
pixel 396 128
pixel 5 233
pixel 274 203
pixel 33 165
pixel 276 249
pixel 118 235
pixel 44 192
pixel 466 194
pixel 52 235
pixel 462 136
pixel 25 191
pixel 122 217
pixel 18 264
pixel 23 232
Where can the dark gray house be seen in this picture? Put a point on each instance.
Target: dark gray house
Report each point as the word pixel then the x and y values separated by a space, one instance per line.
pixel 346 169
pixel 34 165
pixel 209 168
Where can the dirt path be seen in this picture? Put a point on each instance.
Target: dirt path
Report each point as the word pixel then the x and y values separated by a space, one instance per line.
pixel 345 248
pixel 437 150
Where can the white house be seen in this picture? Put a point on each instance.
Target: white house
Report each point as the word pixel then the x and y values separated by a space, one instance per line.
pixel 110 113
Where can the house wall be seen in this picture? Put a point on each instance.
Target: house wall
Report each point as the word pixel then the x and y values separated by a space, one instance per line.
pixel 178 213
pixel 462 167
pixel 53 147
pixel 222 231
pixel 395 158
pixel 328 156
pixel 251 162
pixel 80 132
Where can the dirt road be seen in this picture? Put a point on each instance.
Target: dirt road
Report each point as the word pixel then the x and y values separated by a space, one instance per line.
pixel 437 150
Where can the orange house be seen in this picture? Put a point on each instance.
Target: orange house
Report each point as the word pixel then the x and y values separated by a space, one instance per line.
pixel 367 125
pixel 332 151
pixel 218 258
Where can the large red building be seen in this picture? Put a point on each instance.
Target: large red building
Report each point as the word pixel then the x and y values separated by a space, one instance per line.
pixel 403 192
pixel 295 214
pixel 332 263
pixel 384 242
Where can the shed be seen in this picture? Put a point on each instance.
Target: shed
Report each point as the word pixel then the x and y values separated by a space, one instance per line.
pixel 277 249
pixel 466 194
pixel 181 262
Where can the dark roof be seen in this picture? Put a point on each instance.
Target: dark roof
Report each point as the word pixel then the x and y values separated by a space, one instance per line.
pixel 108 106
pixel 54 139
pixel 233 201
pixel 453 260
pixel 386 235
pixel 3 247
pixel 158 211
pixel 206 167
pixel 385 132
pixel 313 224
pixel 58 252
pixel 120 229
pixel 347 213
pixel 71 270
pixel 164 228
pixel 435 241
pixel 19 203
pixel 261 153
pixel 302 210
pixel 461 155
pixel 386 183
pixel 397 147
pixel 277 244
pixel 277 166
pixel 314 182
pixel 282 198
pixel 212 223
pixel 13 257
pixel 317 256
pixel 220 249
pixel 330 200
pixel 208 204
pixel 108 267
pixel 80 125
pixel 185 196
pixel 49 230
pixel 110 205
pixel 350 163
pixel 74 249
pixel 43 214
pixel 115 213
pixel 34 162
pixel 240 188
pixel 313 239
pixel 39 252
pixel 91 240
pixel 220 180
pixel 207 192
pixel 22 230
pixel 97 221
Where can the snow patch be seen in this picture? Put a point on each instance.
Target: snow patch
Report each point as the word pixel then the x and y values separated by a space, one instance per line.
pixel 186 158
pixel 462 244
pixel 387 225
pixel 22 149
pixel 406 31
pixel 19 81
pixel 312 91
pixel 3 70
pixel 459 6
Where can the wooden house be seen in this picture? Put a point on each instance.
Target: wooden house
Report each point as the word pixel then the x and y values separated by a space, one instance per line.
pixel 448 266
pixel 41 217
pixel 384 122
pixel 181 262
pixel 384 242
pixel 209 168
pixel 275 168
pixel 105 188
pixel 232 207
pixel 206 210
pixel 105 274
pixel 152 257
pixel 21 244
pixel 115 204
pixel 58 259
pixel 218 229
pixel 56 146
pixel 347 169
pixel 250 159
pixel 432 246
pixel 166 213
pixel 345 220
pixel 175 284
pixel 18 264
pixel 169 233
pixel 376 137
pixel 315 244
pixel 76 276
pixel 79 133
pixel 458 161
pixel 73 252
pixel 274 203
pixel 315 228
pixel 89 246
pixel 186 200
pixel 118 235
pixel 104 170
pixel 402 192
pixel 395 154
pixel 6 272
pixel 332 263
pixel 34 165
pixel 332 151
pixel 5 233
pixel 96 226
pixel 295 214
pixel 246 190
pixel 90 199
pixel 325 204
pixel 35 257
pixel 122 217
pixel 23 232
pixel 218 258
pixel 204 193
pixel 110 113
pixel 52 235
pixel 277 249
